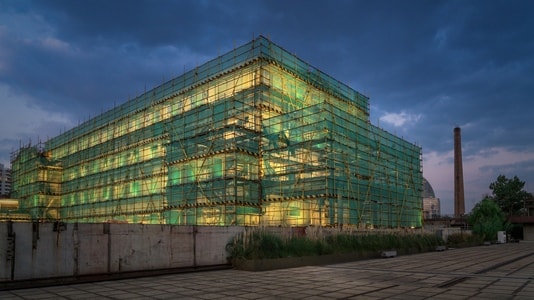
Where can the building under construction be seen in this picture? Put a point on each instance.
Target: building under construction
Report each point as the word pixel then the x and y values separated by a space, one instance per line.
pixel 254 137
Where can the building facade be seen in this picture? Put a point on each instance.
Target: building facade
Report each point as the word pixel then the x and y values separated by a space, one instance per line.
pixel 254 137
pixel 5 181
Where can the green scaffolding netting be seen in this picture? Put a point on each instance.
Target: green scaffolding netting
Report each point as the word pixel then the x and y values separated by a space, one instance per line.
pixel 253 137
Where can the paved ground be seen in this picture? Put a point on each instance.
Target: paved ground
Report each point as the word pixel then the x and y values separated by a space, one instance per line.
pixel 487 272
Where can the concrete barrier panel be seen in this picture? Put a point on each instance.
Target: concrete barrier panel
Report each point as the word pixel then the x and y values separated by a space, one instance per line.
pixel 53 255
pixel 211 240
pixel 5 262
pixel 140 247
pixel 90 249
pixel 182 246
pixel 47 250
pixel 24 261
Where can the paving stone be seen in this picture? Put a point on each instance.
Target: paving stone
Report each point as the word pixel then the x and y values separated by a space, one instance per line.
pixel 471 273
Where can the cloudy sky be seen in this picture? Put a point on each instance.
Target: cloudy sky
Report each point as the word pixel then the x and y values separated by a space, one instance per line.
pixel 427 67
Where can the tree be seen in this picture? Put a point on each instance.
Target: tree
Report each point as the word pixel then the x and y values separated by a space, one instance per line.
pixel 487 218
pixel 509 194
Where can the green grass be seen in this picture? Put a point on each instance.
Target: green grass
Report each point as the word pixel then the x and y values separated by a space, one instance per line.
pixel 262 244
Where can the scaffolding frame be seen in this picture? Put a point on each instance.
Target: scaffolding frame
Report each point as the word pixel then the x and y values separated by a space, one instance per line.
pixel 254 137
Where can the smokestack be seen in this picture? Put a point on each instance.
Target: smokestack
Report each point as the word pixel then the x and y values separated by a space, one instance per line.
pixel 459 203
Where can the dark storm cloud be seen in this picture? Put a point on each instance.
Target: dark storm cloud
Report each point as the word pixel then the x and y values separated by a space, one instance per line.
pixel 478 74
pixel 191 24
pixel 117 48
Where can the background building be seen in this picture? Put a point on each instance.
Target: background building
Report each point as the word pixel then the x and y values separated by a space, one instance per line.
pixel 253 137
pixel 5 181
pixel 431 204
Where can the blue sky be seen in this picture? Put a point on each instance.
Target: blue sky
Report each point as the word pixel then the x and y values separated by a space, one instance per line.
pixel 427 67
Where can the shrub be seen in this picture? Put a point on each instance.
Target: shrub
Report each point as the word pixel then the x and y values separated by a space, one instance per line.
pixel 487 219
pixel 260 244
pixel 464 240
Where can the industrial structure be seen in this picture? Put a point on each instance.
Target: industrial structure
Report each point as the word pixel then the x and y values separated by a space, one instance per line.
pixel 459 202
pixel 254 137
pixel 431 204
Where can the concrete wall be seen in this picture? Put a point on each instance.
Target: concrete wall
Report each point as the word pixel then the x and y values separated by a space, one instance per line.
pixel 444 232
pixel 45 250
pixel 528 232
